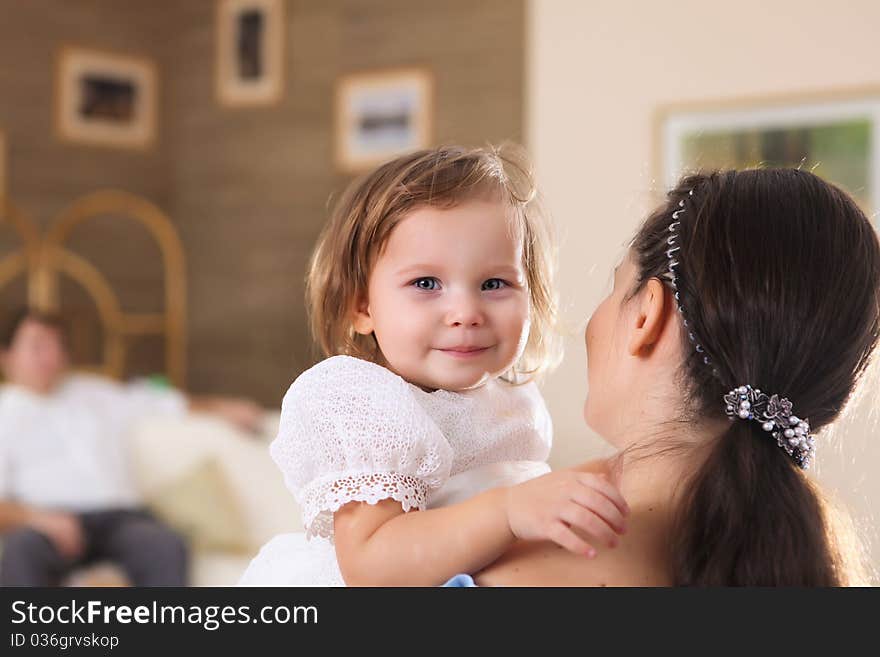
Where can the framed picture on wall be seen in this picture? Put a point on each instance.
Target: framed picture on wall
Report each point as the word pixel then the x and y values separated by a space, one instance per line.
pixel 835 135
pixel 250 52
pixel 380 115
pixel 105 99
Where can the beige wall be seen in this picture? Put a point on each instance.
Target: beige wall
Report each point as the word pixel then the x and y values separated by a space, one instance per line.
pixel 597 72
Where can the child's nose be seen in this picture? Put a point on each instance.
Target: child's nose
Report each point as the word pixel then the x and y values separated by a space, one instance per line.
pixel 465 311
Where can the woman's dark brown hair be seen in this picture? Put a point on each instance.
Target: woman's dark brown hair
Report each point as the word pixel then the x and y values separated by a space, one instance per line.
pixel 779 278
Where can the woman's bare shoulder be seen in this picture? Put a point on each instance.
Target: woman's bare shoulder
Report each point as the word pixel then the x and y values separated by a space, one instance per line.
pixel 639 560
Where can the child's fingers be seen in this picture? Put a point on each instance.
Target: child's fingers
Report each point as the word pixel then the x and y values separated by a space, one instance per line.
pixel 601 484
pixel 565 537
pixel 605 487
pixel 588 522
pixel 596 502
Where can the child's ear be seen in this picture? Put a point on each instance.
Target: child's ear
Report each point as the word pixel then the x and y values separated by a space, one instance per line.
pixel 362 321
pixel 650 318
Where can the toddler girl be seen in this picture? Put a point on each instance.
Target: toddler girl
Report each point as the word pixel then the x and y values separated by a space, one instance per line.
pixel 431 291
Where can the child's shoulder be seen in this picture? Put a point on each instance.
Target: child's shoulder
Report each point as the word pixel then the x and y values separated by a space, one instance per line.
pixel 349 376
pixel 348 368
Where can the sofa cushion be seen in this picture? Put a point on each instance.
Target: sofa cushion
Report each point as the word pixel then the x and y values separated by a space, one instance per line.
pixel 167 451
pixel 202 507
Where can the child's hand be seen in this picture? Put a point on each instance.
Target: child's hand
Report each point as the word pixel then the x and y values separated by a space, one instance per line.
pixel 553 506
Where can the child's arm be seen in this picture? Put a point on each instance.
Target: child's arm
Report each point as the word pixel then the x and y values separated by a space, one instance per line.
pixel 380 545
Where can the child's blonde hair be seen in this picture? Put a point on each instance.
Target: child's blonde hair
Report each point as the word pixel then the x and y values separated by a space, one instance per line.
pixel 374 204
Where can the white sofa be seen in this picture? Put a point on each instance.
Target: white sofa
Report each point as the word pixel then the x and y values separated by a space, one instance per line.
pixel 218 486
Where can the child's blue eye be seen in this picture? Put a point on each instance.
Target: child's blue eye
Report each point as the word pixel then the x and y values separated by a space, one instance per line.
pixel 428 283
pixel 493 284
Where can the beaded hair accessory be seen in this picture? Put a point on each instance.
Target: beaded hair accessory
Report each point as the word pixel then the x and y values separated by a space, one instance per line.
pixel 791 433
pixel 672 243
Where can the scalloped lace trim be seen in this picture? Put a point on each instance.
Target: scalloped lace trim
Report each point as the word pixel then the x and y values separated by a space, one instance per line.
pixel 322 499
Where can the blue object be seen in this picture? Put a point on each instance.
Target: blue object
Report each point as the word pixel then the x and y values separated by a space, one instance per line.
pixel 461 581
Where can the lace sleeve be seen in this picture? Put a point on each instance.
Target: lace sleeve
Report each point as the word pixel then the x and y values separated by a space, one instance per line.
pixel 352 431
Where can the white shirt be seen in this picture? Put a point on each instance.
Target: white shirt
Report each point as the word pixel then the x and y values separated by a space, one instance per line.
pixel 67 450
pixel 353 430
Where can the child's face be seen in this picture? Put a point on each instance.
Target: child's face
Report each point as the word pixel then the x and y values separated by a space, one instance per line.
pixel 448 298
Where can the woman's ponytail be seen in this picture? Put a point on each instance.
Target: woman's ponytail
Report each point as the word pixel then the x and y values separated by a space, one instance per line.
pixel 776 274
pixel 748 516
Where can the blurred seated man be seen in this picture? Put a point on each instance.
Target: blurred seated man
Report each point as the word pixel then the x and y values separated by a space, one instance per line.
pixel 67 497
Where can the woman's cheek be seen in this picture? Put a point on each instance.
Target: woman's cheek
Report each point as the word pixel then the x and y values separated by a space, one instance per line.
pixel 595 325
pixel 590 335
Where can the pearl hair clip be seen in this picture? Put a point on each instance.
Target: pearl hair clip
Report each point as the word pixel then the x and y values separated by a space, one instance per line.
pixel 791 433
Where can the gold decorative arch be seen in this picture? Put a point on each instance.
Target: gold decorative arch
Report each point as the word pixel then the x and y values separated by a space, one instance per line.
pixel 46 259
pixel 23 261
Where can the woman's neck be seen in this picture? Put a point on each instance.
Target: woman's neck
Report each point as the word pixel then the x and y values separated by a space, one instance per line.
pixel 657 462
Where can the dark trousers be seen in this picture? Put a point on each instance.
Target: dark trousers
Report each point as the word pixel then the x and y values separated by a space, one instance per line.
pixel 150 553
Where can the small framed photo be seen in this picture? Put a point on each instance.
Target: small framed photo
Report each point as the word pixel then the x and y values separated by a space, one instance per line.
pixel 834 134
pixel 250 52
pixel 380 115
pixel 106 99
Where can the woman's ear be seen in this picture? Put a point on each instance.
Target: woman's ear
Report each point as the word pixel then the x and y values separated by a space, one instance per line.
pixel 651 309
pixel 362 321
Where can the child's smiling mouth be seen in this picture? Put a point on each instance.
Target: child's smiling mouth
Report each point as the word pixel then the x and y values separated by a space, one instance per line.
pixel 465 351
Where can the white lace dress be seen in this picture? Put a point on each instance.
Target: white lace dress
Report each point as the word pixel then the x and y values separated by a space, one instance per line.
pixel 352 430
